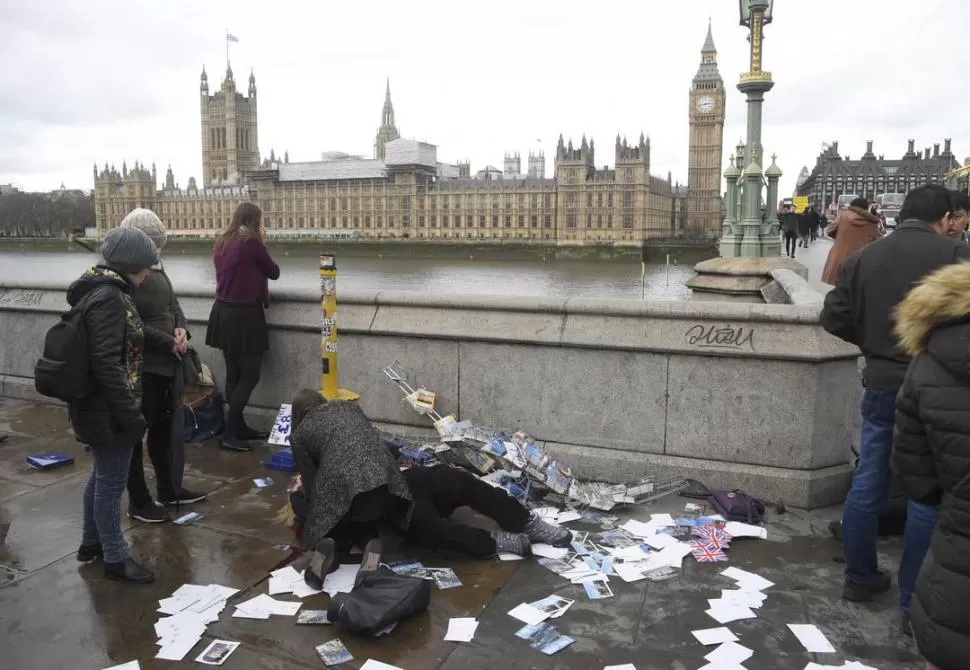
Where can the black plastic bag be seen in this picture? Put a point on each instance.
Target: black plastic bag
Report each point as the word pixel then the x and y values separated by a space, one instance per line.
pixel 379 599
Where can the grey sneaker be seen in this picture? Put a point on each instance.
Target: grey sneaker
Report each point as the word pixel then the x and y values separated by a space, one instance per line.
pixel 149 513
pixel 511 543
pixel 543 532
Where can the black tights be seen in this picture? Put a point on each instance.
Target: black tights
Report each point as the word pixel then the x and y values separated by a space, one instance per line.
pixel 790 240
pixel 242 375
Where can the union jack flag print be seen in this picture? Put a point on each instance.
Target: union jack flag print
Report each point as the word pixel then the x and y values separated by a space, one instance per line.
pixel 708 554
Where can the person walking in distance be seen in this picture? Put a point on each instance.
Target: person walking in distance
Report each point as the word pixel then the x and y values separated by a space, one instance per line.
pixel 931 459
pixel 162 315
pixel 237 322
pixel 859 310
pixel 109 418
pixel 789 228
pixel 852 230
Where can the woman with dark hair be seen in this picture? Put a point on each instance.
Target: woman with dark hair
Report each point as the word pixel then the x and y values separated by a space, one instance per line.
pixel 349 483
pixel 237 323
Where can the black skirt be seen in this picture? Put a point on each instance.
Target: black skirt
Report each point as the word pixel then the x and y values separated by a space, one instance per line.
pixel 237 328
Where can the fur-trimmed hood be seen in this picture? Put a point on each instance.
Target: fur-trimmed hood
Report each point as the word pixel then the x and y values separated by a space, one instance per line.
pixel 941 299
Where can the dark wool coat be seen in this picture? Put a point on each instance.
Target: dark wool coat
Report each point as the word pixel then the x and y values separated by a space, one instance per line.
pixel 931 456
pixel 339 454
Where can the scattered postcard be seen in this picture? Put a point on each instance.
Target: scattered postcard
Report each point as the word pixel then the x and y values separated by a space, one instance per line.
pixel 528 614
pixel 597 589
pixel 625 666
pixel 187 519
pixel 333 653
pixel 461 629
pixel 263 482
pixel 639 528
pixel 567 516
pixel 752 599
pixel 510 557
pixel 130 665
pixel 555 565
pixel 176 648
pixel 549 551
pixel 630 572
pixel 812 638
pixel 554 606
pixel 747 581
pixel 217 652
pixel 729 653
pixel 662 520
pixel 659 574
pixel 445 578
pixel 738 529
pixel 557 643
pixel 312 617
pixel 371 664
pixel 661 541
pixel 579 548
pixel 711 636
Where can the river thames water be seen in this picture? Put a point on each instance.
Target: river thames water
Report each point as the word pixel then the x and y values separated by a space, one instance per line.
pixel 451 271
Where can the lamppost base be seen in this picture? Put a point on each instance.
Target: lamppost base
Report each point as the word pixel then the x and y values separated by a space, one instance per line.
pixel 728 248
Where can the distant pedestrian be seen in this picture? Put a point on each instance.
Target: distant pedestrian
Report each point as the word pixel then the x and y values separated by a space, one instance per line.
pixel 852 230
pixel 109 418
pixel 931 457
pixel 162 385
pixel 237 322
pixel 804 229
pixel 789 228
pixel 814 220
pixel 959 215
pixel 859 310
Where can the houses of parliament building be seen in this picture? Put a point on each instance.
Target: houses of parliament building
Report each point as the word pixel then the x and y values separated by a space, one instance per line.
pixel 403 191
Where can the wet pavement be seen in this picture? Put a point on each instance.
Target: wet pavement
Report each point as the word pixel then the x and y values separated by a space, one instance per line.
pixel 55 614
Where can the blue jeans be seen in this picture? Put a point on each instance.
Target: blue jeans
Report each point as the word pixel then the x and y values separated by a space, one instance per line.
pixel 868 497
pixel 102 502
pixel 921 522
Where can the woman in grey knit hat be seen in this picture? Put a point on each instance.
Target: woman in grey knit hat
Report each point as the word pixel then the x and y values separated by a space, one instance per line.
pixel 109 418
pixel 162 384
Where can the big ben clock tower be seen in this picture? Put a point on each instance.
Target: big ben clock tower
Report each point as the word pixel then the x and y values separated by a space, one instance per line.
pixel 706 142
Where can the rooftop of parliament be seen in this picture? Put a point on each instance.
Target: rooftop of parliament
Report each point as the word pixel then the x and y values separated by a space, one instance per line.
pixel 402 191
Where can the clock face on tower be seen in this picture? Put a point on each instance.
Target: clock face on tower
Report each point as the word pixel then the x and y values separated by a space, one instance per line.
pixel 705 104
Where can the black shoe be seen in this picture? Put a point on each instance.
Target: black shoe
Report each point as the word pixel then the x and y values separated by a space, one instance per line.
pixel 905 625
pixel 860 593
pixel 248 433
pixel 321 560
pixel 835 527
pixel 88 553
pixel 185 497
pixel 370 561
pixel 234 444
pixel 149 513
pixel 128 572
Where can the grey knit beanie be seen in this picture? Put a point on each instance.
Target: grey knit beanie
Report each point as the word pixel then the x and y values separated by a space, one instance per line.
pixel 128 250
pixel 147 222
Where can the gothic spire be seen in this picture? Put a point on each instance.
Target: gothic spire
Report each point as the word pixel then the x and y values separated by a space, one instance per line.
pixel 709 42
pixel 387 116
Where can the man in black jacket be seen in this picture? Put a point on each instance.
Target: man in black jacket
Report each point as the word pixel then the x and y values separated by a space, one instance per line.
pixel 859 310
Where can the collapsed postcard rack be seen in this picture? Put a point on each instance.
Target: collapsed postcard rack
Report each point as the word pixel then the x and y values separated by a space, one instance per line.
pixel 521 461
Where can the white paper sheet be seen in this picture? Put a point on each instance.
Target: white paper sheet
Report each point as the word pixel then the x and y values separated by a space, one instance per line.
pixel 634 553
pixel 811 638
pixel 639 528
pixel 548 551
pixel 528 614
pixel 177 648
pixel 130 665
pixel 722 666
pixel 263 603
pixel 510 557
pixel 729 612
pixel 341 580
pixel 567 516
pixel 710 636
pixel 625 666
pixel 629 572
pixel 371 664
pixel 278 585
pixel 662 520
pixel 729 653
pixel 738 529
pixel 461 629
pixel 747 581
pixel 661 541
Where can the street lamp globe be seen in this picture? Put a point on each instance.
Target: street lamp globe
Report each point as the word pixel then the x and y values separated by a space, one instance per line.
pixel 747 7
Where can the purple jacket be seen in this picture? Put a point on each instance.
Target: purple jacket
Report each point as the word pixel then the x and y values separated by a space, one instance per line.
pixel 243 267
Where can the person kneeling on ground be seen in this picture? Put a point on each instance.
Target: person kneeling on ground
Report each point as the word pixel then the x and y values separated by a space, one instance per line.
pixel 349 484
pixel 931 457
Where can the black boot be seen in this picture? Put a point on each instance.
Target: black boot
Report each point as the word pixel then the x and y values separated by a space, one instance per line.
pixel 247 433
pixel 234 444
pixel 128 572
pixel 88 553
pixel 321 561
pixel 370 561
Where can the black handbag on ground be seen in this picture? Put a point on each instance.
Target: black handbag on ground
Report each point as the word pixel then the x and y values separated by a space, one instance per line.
pixel 378 600
pixel 205 418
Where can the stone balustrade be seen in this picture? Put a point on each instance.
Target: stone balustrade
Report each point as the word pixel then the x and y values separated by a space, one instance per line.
pixel 752 396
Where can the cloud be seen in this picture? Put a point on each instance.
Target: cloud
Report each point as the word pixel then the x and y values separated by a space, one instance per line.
pixel 114 80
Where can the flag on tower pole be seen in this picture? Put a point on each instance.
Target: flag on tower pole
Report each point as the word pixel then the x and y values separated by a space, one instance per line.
pixel 232 38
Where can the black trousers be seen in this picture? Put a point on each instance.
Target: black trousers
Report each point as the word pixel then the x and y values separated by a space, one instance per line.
pixel 242 375
pixel 790 240
pixel 156 407
pixel 437 491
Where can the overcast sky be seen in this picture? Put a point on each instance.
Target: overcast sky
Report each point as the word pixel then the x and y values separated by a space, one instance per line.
pixel 109 80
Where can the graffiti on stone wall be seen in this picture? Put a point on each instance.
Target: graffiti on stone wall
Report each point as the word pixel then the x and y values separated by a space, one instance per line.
pixel 20 298
pixel 720 337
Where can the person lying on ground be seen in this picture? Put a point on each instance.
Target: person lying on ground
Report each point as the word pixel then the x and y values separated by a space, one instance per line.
pixel 349 485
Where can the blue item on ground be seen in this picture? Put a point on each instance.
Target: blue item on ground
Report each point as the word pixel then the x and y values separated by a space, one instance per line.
pixel 281 460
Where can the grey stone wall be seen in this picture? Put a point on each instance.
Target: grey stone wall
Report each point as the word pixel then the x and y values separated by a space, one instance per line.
pixel 737 395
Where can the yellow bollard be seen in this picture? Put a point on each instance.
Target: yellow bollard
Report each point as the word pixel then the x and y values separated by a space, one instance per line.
pixel 329 386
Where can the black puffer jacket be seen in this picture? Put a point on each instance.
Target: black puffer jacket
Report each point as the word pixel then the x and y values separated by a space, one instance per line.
pixel 110 417
pixel 931 456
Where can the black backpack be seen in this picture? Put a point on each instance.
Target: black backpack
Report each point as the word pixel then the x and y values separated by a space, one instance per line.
pixel 63 371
